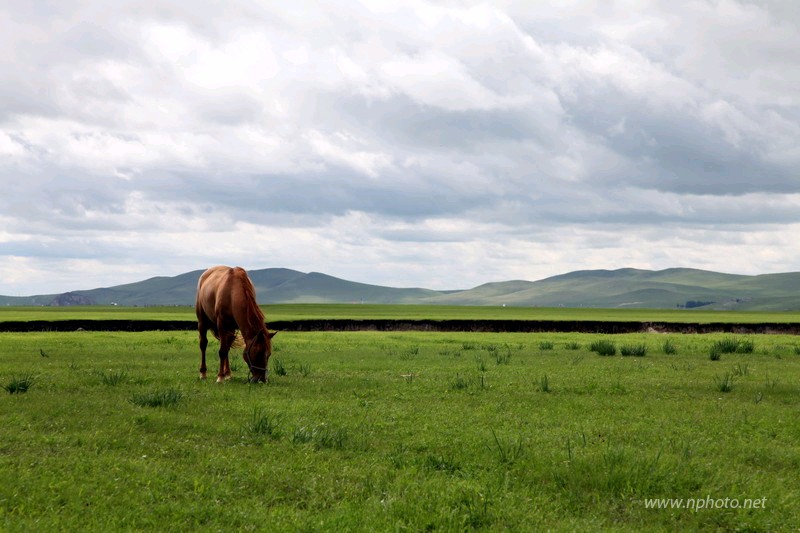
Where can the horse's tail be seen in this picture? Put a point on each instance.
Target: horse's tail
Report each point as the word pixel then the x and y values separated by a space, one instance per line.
pixel 238 340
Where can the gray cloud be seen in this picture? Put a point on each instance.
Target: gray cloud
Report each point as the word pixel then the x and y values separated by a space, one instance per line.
pixel 441 144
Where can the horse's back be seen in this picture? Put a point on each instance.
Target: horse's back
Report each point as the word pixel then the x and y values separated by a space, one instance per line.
pixel 211 289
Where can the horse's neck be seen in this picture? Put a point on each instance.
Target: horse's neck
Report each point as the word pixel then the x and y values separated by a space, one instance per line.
pixel 250 330
pixel 250 325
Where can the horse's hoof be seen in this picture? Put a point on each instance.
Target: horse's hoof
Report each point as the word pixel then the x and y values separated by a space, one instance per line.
pixel 220 379
pixel 202 375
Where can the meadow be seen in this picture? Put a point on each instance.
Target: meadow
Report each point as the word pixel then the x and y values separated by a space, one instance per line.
pixel 277 312
pixel 375 431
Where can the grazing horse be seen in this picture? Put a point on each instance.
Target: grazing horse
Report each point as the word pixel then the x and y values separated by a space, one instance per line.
pixel 226 302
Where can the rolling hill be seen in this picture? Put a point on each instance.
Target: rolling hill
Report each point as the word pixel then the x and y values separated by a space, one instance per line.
pixel 670 288
pixel 619 288
pixel 273 285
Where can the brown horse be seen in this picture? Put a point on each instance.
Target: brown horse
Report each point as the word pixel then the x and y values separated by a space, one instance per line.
pixel 226 301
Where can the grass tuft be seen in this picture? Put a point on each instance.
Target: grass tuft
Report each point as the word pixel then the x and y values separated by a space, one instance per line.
pixel 669 347
pixel 278 368
pixel 730 345
pixel 502 357
pixel 262 424
pixel 113 377
pixel 603 347
pixel 726 345
pixel 19 384
pixel 440 463
pixel 741 370
pixel 163 398
pixel 327 437
pixel 302 435
pixel 724 383
pixel 636 350
pixel 745 346
pixel 507 453
pixel 459 383
pixel 544 383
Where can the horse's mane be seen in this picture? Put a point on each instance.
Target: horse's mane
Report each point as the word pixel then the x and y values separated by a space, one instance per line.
pixel 254 314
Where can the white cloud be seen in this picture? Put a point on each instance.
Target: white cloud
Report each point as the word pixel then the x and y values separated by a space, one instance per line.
pixel 418 143
pixel 439 81
pixel 342 147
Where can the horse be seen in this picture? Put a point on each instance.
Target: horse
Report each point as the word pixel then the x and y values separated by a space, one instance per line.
pixel 226 302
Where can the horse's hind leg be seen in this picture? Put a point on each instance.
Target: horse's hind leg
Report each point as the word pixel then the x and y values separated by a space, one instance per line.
pixel 203 332
pixel 225 342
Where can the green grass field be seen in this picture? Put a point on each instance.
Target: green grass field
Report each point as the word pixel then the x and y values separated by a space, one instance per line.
pixel 372 431
pixel 368 311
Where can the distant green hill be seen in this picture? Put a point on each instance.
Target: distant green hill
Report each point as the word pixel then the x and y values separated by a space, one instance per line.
pixel 273 285
pixel 671 288
pixel 627 287
pixel 321 288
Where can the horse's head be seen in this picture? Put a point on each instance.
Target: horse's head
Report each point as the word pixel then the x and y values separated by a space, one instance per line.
pixel 256 355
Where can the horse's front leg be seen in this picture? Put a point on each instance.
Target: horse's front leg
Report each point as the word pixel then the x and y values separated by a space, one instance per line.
pixel 225 342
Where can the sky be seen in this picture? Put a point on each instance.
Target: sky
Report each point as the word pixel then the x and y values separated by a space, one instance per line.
pixel 409 144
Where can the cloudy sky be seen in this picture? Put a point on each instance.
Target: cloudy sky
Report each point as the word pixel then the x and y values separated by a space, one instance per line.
pixel 410 143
